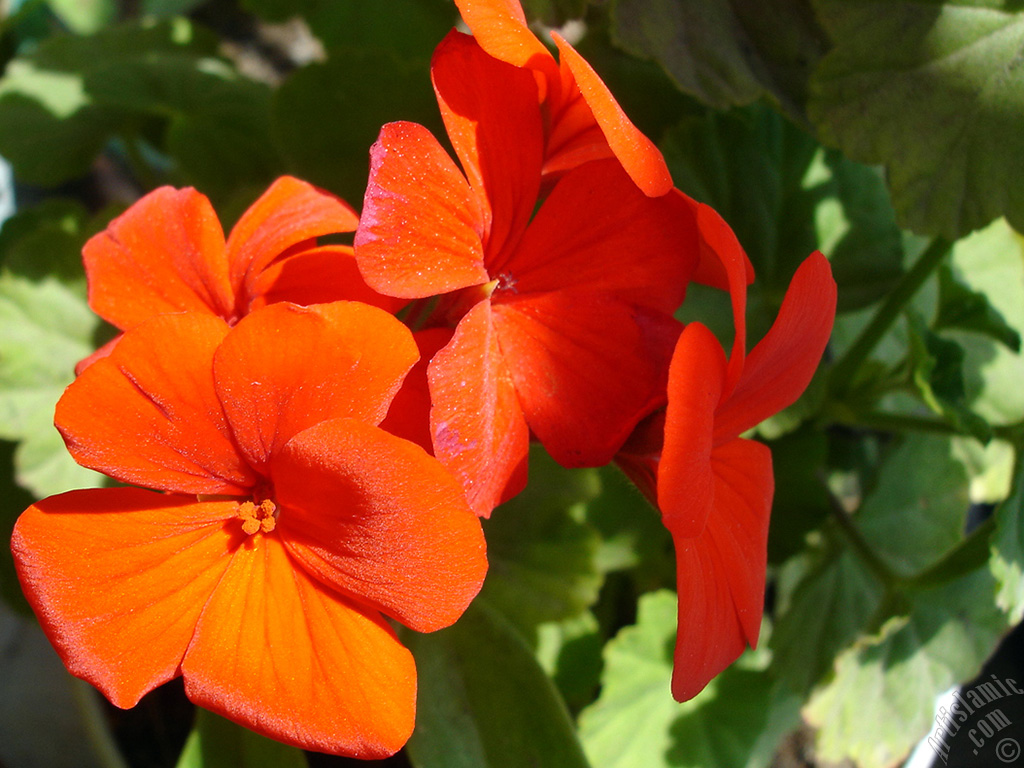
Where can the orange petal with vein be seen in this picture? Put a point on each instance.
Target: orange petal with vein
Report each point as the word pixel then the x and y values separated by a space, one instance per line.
pixel 164 254
pixel 118 578
pixel 378 519
pixel 285 368
pixel 148 413
pixel 289 658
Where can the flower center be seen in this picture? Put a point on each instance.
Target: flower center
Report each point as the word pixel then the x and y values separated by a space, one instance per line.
pixel 257 517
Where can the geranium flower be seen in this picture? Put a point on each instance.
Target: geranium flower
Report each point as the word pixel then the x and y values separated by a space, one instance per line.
pixel 584 121
pixel 283 529
pixel 563 321
pixel 713 487
pixel 167 253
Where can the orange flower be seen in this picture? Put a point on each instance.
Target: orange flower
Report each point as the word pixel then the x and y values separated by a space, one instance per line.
pixel 584 121
pixel 167 253
pixel 713 487
pixel 290 525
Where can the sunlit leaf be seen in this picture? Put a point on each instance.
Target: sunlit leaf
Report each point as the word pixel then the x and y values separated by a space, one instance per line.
pixel 218 743
pixel 968 310
pixel 1007 562
pixel 933 92
pixel 484 702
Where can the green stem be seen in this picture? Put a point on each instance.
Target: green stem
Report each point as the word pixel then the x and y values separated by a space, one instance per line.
pixel 845 370
pixel 95 726
pixel 898 422
pixel 878 568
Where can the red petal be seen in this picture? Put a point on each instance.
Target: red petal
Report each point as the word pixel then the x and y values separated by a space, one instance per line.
pixel 378 519
pixel 480 434
pixel 494 122
pixel 289 212
pixel 685 481
pixel 148 414
pixel 285 368
pixel 316 276
pixel 781 366
pixel 99 354
pixel 720 574
pixel 409 416
pixel 718 241
pixel 599 232
pixel 500 27
pixel 422 225
pixel 638 154
pixel 118 578
pixel 164 254
pixel 288 658
pixel 586 366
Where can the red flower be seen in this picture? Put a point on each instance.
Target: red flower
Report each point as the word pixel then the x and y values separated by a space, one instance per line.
pixel 584 121
pixel 167 253
pixel 289 525
pixel 713 487
pixel 563 321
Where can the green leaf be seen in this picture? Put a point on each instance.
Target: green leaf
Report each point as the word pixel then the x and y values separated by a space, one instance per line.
pixel 786 196
pixel 13 501
pixel 1007 563
pixel 948 634
pixel 554 13
pixel 484 702
pixel 992 263
pixel 410 29
pixel 635 723
pixel 163 9
pixel 218 743
pixel 326 116
pixel 801 502
pixel 45 329
pixel 85 16
pixel 936 370
pixel 542 555
pixel 933 91
pixel 960 307
pixel 726 52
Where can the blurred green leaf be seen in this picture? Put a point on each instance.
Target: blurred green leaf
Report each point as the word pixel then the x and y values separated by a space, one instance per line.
pixel 409 30
pixel 992 262
pixel 949 633
pixel 13 501
pixel 45 329
pixel 933 91
pixel 484 702
pixel 554 13
pixel 801 502
pixel 163 9
pixel 569 651
pixel 85 16
pixel 726 52
pixel 736 721
pixel 832 601
pixel 1007 563
pixel 936 372
pixel 326 116
pixel 218 743
pixel 542 555
pixel 968 310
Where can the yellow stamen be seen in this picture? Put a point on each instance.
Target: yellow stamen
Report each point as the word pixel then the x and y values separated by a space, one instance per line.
pixel 257 517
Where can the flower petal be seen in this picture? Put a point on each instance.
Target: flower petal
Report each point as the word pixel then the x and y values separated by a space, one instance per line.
pixel 316 276
pixel 376 518
pixel 781 366
pixel 118 578
pixel 285 368
pixel 164 254
pixel 422 228
pixel 283 655
pixel 599 232
pixel 638 154
pixel 586 367
pixel 492 117
pixel 409 415
pixel 289 212
pixel 721 573
pixel 148 413
pixel 501 29
pixel 480 435
pixel 685 480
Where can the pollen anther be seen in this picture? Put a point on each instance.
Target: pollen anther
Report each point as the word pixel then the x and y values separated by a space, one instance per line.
pixel 257 517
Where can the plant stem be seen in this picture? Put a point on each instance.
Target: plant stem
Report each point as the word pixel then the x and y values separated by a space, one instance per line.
pixel 878 568
pixel 844 372
pixel 96 730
